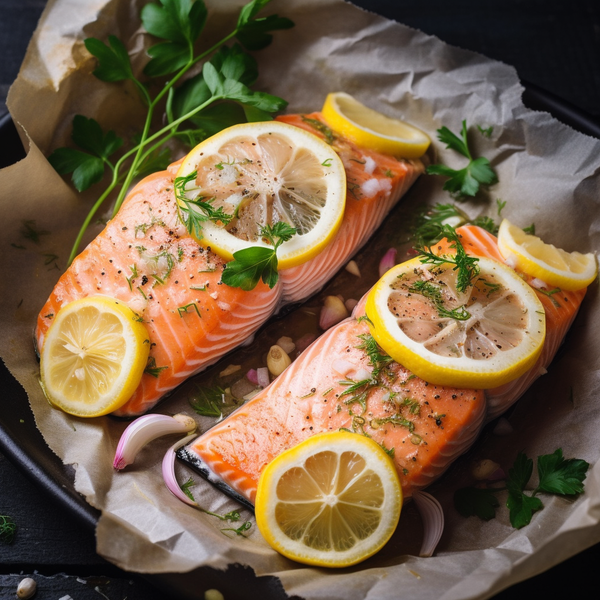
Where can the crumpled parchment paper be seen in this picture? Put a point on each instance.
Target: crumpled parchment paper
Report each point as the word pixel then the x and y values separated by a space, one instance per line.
pixel 548 174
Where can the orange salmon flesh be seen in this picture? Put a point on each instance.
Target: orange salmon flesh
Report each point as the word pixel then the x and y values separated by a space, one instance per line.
pixel 426 426
pixel 146 258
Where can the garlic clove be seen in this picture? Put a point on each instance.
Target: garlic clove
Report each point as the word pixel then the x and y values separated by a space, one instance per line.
pixel 332 312
pixel 26 588
pixel 352 268
pixel 277 360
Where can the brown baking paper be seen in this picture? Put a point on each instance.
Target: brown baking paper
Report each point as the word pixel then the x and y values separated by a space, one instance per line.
pixel 548 174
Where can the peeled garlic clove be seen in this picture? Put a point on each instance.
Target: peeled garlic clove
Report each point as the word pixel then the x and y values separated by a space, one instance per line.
pixel 483 469
pixel 352 268
pixel 286 343
pixel 277 360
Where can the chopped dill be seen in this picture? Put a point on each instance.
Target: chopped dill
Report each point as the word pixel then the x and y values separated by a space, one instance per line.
pixel 320 127
pixel 184 309
pixel 152 369
pixel 207 401
pixel 29 232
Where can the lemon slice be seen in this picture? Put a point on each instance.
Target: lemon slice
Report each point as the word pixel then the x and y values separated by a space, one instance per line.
pixel 93 356
pixel 370 129
pixel 566 270
pixel 331 501
pixel 264 173
pixel 481 338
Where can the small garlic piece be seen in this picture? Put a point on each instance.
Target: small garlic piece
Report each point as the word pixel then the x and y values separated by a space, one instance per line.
pixel 213 595
pixel 277 360
pixel 332 312
pixel 286 343
pixel 484 468
pixel 352 268
pixel 26 588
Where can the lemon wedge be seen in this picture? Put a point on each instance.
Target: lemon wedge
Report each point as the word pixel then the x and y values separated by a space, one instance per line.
pixel 260 174
pixel 331 501
pixel 481 338
pixel 93 356
pixel 567 270
pixel 371 129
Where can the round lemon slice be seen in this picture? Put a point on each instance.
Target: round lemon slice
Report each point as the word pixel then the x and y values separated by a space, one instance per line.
pixel 371 129
pixel 566 270
pixel 331 501
pixel 481 338
pixel 260 174
pixel 93 356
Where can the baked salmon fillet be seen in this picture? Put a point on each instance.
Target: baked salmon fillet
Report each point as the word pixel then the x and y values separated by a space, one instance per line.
pixel 146 258
pixel 424 426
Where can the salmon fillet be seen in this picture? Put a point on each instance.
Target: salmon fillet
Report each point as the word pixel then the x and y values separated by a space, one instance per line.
pixel 426 426
pixel 146 258
pixel 560 307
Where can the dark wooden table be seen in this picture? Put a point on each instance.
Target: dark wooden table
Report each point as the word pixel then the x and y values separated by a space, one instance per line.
pixel 552 43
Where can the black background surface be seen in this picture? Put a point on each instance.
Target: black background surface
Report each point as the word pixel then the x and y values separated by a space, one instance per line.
pixel 552 43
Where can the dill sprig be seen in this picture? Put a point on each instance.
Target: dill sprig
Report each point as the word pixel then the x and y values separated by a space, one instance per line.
pixel 194 213
pixel 207 401
pixel 433 293
pixel 465 265
pixel 8 528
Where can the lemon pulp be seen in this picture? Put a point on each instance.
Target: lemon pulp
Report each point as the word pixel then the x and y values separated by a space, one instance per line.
pixel 486 336
pixel 93 356
pixel 264 173
pixel 332 501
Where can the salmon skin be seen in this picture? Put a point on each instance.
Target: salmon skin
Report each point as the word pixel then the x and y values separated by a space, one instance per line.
pixel 146 258
pixel 424 426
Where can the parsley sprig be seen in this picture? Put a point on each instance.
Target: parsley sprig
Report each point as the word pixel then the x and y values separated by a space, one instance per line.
pixel 557 475
pixel 218 96
pixel 466 181
pixel 252 264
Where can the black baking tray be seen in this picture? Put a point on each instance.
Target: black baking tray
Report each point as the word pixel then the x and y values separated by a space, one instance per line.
pixel 22 443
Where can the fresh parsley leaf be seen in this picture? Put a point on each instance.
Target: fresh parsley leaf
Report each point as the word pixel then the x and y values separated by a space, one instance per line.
pixel 520 473
pixel 466 181
pixel 252 264
pixel 500 204
pixel 530 230
pixel 87 167
pixel 521 508
pixel 560 476
pixel 485 131
pixel 252 32
pixel 180 23
pixel 249 266
pixel 478 502
pixel 113 59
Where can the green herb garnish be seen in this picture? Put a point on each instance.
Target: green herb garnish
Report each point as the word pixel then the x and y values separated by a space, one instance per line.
pixel 152 369
pixel 194 213
pixel 208 401
pixel 217 97
pixel 557 475
pixel 252 264
pixel 8 528
pixel 463 182
pixel 466 265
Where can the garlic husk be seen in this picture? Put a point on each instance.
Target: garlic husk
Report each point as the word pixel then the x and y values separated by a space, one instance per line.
pixel 168 471
pixel 145 429
pixel 26 588
pixel 432 515
pixel 278 360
